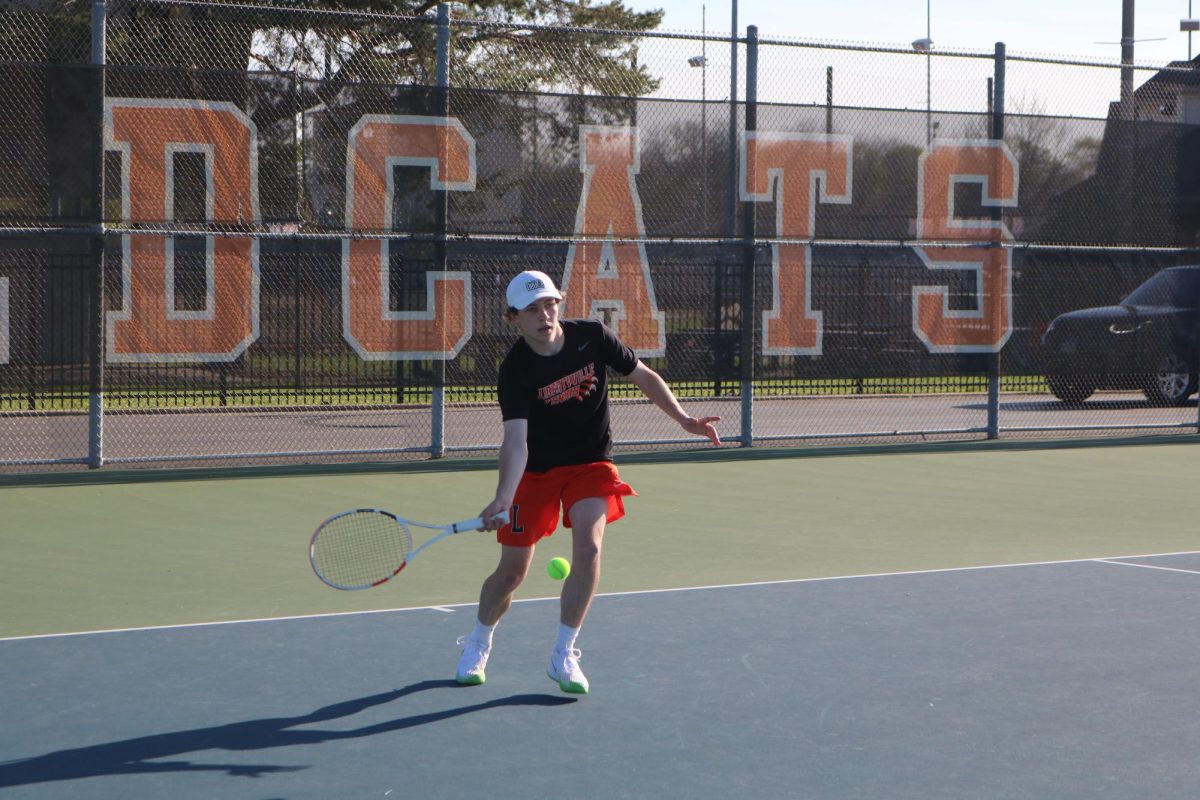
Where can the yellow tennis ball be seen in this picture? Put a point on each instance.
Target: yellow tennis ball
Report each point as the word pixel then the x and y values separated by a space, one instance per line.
pixel 558 568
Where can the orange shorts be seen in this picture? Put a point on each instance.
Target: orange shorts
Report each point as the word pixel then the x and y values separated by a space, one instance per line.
pixel 540 495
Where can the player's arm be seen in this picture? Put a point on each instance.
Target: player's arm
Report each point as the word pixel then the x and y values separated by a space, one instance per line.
pixel 659 393
pixel 514 452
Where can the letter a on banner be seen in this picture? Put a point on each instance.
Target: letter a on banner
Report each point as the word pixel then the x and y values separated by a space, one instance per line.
pixel 986 327
pixel 797 171
pixel 377 144
pixel 610 279
pixel 149 327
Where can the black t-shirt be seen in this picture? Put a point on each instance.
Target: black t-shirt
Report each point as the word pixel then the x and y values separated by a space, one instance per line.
pixel 565 396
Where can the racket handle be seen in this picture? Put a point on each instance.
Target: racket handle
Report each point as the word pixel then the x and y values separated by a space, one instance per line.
pixel 477 523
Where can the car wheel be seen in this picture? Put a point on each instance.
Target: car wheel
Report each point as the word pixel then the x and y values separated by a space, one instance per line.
pixel 1172 383
pixel 1070 389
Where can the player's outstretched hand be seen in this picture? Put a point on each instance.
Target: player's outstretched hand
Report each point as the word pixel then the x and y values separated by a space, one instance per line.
pixel 703 426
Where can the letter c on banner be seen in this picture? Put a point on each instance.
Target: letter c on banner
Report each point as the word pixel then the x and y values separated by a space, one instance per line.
pixel 376 144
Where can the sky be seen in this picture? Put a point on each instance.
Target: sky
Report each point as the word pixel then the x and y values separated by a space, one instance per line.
pixel 1072 30
pixel 1052 27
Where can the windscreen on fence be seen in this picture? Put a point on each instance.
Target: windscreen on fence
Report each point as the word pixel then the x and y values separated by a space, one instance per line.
pixel 291 218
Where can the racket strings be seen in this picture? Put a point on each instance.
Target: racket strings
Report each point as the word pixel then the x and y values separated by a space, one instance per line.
pixel 360 549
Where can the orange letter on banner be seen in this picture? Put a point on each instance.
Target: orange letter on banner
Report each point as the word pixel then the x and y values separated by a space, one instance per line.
pixel 788 168
pixel 149 327
pixel 611 279
pixel 987 327
pixel 377 143
pixel 4 349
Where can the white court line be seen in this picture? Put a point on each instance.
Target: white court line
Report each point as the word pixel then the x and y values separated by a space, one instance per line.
pixel 1120 563
pixel 450 608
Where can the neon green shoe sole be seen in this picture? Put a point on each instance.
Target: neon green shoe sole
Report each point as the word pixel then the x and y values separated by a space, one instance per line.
pixel 570 687
pixel 472 662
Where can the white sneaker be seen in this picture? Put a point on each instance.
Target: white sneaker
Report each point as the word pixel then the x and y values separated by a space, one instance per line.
pixel 564 669
pixel 473 661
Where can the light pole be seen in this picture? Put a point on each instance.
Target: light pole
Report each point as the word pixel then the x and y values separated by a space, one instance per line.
pixel 926 46
pixel 701 61
pixel 731 191
pixel 1190 26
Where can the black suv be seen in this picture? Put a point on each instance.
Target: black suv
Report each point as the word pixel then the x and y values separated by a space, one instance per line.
pixel 1146 342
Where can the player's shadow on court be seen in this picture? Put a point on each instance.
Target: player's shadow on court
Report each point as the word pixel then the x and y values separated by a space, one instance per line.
pixel 139 755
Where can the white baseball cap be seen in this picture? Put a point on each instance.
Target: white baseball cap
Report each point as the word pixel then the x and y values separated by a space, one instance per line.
pixel 529 287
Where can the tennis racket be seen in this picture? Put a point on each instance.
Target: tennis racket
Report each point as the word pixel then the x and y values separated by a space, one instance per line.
pixel 366 547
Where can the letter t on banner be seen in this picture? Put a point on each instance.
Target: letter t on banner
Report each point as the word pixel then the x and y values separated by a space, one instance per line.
pixel 796 171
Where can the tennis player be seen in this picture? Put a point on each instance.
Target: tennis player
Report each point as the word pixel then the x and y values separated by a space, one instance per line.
pixel 556 453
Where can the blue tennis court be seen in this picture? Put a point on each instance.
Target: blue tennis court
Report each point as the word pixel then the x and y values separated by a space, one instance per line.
pixel 1070 679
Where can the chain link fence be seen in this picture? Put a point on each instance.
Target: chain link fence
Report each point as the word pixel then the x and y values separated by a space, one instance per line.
pixel 244 234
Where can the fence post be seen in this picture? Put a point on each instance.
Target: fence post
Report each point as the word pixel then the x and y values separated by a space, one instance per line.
pixel 731 188
pixel 95 458
pixel 993 399
pixel 437 406
pixel 829 99
pixel 749 320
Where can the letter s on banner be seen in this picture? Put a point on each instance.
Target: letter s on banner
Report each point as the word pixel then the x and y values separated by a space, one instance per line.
pixel 376 144
pixel 149 327
pixel 945 165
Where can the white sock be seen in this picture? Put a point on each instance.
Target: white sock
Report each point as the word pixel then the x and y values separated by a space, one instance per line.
pixel 483 633
pixel 566 637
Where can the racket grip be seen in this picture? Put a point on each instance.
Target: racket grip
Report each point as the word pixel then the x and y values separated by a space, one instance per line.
pixel 477 523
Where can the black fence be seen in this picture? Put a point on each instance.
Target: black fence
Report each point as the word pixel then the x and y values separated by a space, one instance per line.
pixel 296 208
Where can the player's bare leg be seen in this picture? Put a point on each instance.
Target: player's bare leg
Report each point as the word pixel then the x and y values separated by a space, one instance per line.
pixel 494 600
pixel 497 593
pixel 588 518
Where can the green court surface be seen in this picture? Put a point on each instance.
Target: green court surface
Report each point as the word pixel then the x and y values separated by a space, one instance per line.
pixel 81 556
